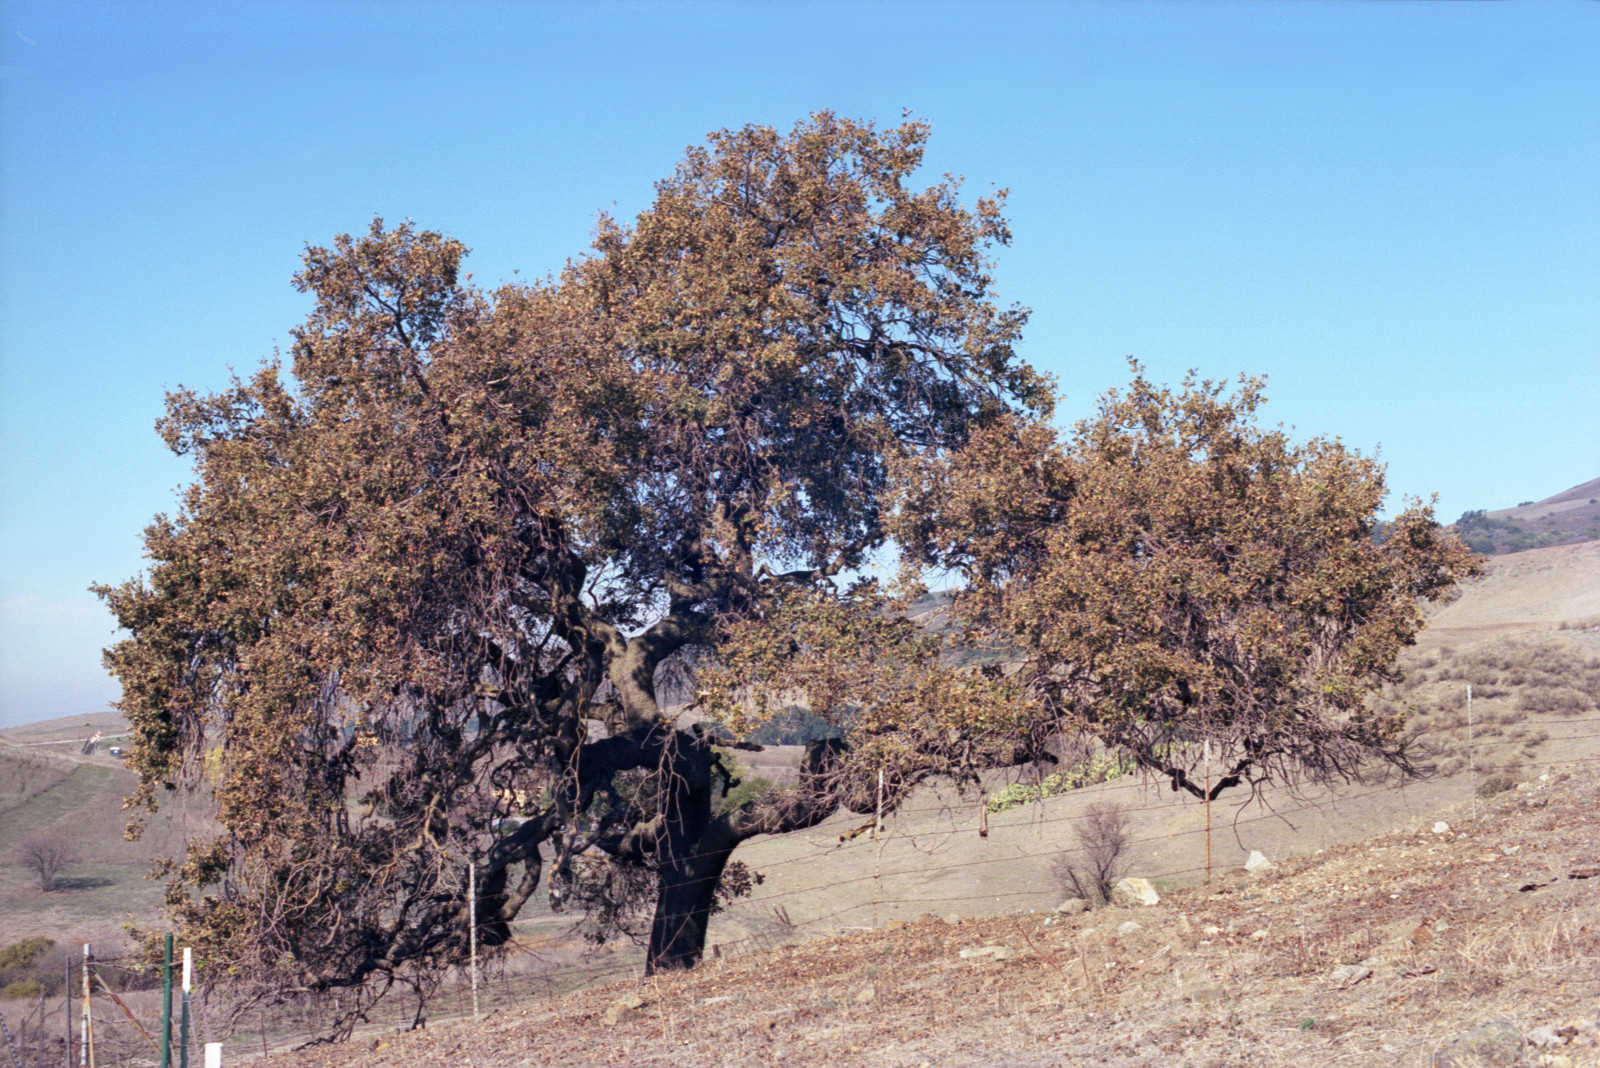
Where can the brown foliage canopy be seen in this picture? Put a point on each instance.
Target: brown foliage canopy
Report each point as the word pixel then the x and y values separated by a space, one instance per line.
pixel 1172 580
pixel 434 577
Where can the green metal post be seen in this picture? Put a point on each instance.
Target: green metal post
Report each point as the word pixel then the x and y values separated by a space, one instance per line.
pixel 166 1002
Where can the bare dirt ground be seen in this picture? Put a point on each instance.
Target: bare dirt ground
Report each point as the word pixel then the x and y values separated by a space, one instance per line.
pixel 1374 953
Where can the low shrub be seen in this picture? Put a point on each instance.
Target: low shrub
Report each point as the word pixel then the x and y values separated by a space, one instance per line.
pixel 744 786
pixel 22 988
pixel 1096 769
pixel 1093 868
pixel 1559 700
pixel 35 961
pixel 24 954
pixel 1495 784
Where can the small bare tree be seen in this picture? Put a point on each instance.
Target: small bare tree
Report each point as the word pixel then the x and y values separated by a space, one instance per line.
pixel 1093 868
pixel 47 856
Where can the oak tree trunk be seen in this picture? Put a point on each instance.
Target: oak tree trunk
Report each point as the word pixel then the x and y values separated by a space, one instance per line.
pixel 688 864
pixel 684 898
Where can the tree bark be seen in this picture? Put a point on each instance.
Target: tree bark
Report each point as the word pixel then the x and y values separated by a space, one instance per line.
pixel 687 867
pixel 685 896
pixel 696 847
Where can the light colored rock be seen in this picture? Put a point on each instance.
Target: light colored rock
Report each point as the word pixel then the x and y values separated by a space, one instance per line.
pixel 1127 927
pixel 1258 936
pixel 1350 974
pixel 1257 862
pixel 1544 1036
pixel 1555 1060
pixel 953 920
pixel 1130 892
pixel 993 952
pixel 1072 906
pixel 1497 1044
pixel 1441 827
pixel 1211 929
pixel 622 1010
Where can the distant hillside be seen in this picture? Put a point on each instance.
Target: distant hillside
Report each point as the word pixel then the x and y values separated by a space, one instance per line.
pixel 1568 517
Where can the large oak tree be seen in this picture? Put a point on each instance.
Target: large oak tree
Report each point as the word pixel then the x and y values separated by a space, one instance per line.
pixel 434 572
pixel 441 569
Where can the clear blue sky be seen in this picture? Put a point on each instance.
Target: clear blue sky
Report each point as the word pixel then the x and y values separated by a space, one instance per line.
pixel 1391 210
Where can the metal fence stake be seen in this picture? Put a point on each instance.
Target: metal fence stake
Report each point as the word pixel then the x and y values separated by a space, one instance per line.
pixel 183 1024
pixel 166 1001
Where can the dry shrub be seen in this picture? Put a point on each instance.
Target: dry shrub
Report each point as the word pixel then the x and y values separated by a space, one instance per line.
pixel 1093 868
pixel 47 856
pixel 33 964
pixel 1495 784
pixel 1560 700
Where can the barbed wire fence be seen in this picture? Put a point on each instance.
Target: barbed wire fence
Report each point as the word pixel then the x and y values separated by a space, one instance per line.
pixel 550 983
pixel 823 924
pixel 122 1024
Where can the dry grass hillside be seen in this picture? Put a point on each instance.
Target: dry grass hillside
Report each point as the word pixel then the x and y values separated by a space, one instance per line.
pixel 850 951
pixel 1374 953
pixel 1570 516
pixel 48 787
pixel 834 954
